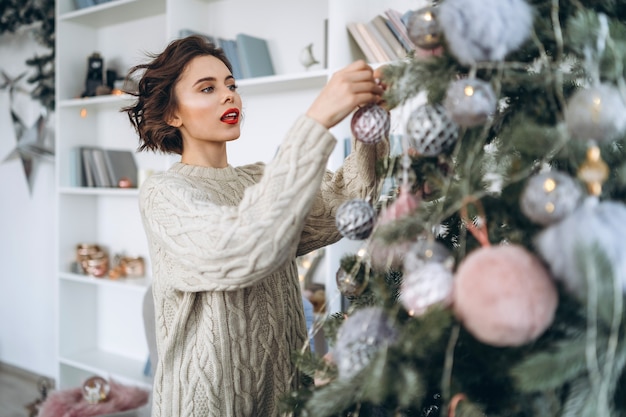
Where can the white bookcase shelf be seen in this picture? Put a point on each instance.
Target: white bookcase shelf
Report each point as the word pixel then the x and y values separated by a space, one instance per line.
pixel 100 324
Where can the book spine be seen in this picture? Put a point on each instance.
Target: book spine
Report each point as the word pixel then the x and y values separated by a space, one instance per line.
pixel 77 176
pixel 360 41
pixel 381 25
pixel 396 20
pixel 372 43
pixel 88 167
pixel 380 41
pixel 102 176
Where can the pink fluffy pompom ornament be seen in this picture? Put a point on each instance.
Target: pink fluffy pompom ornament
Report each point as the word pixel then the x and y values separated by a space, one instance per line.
pixel 504 295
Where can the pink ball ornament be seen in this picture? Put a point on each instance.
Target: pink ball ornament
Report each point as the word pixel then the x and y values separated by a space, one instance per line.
pixel 382 254
pixel 504 295
pixel 370 124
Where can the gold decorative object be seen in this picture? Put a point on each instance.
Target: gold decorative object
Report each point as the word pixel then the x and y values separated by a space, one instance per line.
pixel 594 171
pixel 97 265
pixel 133 267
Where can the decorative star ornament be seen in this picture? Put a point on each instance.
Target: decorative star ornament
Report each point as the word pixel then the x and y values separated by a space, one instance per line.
pixel 32 146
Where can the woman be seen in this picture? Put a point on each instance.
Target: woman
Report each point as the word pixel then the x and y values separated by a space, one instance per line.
pixel 223 240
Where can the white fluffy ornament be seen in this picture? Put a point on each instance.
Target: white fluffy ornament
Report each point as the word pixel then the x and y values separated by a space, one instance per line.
pixel 370 124
pixel 596 113
pixel 361 336
pixel 355 219
pixel 549 197
pixel 428 277
pixel 430 130
pixel 484 30
pixel 470 102
pixel 504 296
pixel 593 224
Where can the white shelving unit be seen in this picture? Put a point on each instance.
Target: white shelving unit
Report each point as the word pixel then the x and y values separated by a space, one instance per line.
pixel 100 325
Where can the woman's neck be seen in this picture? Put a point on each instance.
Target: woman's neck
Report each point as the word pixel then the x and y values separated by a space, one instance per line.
pixel 211 155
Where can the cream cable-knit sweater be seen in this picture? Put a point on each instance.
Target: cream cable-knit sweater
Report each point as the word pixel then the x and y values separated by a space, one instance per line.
pixel 223 244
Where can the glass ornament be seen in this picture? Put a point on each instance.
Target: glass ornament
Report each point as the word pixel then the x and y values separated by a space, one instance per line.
pixel 355 219
pixel 423 28
pixel 96 389
pixel 549 197
pixel 350 284
pixel 431 131
pixel 370 124
pixel 470 102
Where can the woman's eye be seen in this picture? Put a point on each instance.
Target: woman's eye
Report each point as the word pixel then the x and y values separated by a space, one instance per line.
pixel 233 87
pixel 209 89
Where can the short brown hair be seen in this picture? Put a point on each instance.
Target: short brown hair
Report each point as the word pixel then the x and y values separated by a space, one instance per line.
pixel 156 100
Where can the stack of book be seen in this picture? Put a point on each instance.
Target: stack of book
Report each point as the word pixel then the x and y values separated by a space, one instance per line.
pixel 384 38
pixel 94 166
pixel 249 55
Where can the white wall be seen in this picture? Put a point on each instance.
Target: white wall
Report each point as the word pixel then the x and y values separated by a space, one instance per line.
pixel 27 286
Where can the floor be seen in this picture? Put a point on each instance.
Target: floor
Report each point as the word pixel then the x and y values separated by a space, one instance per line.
pixel 18 388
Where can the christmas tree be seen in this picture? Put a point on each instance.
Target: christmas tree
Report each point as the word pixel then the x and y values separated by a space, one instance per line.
pixel 493 272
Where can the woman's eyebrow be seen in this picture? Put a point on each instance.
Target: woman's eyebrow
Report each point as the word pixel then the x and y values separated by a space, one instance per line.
pixel 212 79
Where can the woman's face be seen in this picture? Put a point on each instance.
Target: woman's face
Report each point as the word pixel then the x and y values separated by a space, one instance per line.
pixel 209 106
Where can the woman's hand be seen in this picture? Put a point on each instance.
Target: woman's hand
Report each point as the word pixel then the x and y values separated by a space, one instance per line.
pixel 354 85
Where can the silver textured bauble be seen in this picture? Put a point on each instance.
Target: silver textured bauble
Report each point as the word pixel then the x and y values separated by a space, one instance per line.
pixel 370 124
pixel 470 102
pixel 550 196
pixel 423 28
pixel 361 336
pixel 430 130
pixel 355 219
pixel 596 113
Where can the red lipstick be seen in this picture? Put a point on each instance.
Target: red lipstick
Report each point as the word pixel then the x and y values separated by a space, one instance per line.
pixel 230 116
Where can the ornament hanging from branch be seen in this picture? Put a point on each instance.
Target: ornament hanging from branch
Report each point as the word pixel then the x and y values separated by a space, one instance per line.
pixel 484 30
pixel 596 113
pixel 355 219
pixel 423 28
pixel 470 102
pixel 360 338
pixel 550 197
pixel 431 131
pixel 370 124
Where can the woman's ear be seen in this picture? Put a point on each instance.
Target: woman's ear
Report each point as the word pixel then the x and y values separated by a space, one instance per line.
pixel 174 121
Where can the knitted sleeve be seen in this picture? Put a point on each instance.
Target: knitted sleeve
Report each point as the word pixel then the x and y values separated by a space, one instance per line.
pixel 355 179
pixel 225 247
